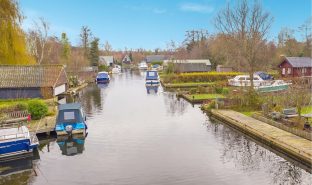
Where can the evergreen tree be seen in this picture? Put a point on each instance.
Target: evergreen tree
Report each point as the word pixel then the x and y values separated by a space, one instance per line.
pixel 66 51
pixel 94 52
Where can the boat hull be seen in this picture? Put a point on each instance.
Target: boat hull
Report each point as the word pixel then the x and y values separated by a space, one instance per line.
pixel 78 128
pixel 102 80
pixel 273 88
pixel 16 147
pixel 151 82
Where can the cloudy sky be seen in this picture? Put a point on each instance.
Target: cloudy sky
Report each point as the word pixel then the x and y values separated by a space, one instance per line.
pixel 148 24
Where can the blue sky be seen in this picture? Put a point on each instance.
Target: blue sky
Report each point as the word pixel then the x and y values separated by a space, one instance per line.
pixel 146 23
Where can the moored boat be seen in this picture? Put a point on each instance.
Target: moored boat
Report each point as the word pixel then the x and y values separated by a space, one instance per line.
pixel 102 77
pixel 273 86
pixel 244 80
pixel 143 66
pixel 70 119
pixel 16 141
pixel 152 77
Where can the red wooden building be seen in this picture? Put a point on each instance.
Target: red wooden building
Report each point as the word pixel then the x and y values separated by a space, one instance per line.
pixel 296 66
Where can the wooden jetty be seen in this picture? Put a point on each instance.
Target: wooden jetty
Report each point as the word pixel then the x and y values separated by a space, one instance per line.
pixel 295 147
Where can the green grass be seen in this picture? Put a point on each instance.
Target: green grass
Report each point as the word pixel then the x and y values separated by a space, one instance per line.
pixel 189 84
pixel 204 96
pixel 248 113
pixel 306 109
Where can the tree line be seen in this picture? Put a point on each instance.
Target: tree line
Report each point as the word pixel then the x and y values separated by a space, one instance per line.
pixel 241 41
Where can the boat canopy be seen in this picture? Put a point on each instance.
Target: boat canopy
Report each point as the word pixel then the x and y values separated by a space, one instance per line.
pixel 102 75
pixel 151 75
pixel 70 113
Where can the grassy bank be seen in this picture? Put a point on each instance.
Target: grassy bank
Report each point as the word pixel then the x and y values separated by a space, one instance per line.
pixel 188 84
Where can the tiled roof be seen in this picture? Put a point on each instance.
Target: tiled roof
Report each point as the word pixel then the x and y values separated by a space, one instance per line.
pixel 300 61
pixel 12 76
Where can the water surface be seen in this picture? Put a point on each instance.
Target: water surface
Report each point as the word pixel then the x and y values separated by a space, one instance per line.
pixel 138 136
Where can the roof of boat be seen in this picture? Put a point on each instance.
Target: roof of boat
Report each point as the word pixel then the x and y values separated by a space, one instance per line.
pixel 69 106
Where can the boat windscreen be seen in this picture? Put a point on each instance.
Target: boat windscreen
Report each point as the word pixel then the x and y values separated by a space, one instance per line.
pixel 69 116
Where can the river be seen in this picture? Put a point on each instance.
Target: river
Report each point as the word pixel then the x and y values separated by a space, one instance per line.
pixel 142 137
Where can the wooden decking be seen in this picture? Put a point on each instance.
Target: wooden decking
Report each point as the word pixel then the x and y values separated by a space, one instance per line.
pixel 294 146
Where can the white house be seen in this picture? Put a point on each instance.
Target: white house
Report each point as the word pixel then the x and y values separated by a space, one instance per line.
pixel 106 60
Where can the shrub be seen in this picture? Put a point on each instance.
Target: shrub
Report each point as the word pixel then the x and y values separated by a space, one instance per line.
pixel 193 91
pixel 37 109
pixel 219 90
pixel 225 91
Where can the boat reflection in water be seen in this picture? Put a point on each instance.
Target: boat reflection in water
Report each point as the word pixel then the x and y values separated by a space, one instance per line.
pixel 71 145
pixel 152 88
pixel 19 165
pixel 102 85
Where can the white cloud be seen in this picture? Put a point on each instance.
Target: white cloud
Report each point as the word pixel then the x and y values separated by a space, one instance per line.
pixel 146 9
pixel 194 7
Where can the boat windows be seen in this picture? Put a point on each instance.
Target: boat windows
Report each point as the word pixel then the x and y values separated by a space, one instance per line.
pixel 241 78
pixel 151 73
pixel 69 115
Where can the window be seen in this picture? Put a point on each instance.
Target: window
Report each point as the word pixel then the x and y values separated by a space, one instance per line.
pixel 283 71
pixel 241 78
pixel 289 70
pixel 303 70
pixel 69 115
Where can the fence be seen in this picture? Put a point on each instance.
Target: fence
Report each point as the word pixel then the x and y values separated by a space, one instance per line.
pixel 294 131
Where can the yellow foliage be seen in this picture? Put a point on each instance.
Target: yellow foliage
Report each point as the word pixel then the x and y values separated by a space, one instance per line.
pixel 12 39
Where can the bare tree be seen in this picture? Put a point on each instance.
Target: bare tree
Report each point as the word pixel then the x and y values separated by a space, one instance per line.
pixel 107 48
pixel 37 39
pixel 247 27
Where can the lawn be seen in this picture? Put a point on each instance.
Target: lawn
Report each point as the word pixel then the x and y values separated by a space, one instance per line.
pixel 306 110
pixel 204 96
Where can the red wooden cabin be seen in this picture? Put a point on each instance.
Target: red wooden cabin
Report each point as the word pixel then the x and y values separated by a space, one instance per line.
pixel 296 66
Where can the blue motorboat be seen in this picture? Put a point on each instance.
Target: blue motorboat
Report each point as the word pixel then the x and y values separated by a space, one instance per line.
pixel 102 77
pixel 152 77
pixel 70 119
pixel 16 141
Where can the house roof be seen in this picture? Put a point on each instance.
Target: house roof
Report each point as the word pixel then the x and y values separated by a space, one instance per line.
pixel 299 61
pixel 12 76
pixel 152 58
pixel 188 61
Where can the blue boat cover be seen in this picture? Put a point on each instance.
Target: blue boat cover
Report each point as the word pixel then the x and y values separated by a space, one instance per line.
pixel 151 75
pixel 69 116
pixel 102 75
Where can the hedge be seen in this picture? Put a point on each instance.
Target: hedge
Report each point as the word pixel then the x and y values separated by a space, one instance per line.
pixel 199 77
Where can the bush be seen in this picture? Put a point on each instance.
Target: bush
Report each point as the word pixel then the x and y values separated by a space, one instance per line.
pixel 193 91
pixel 225 91
pixel 219 90
pixel 37 109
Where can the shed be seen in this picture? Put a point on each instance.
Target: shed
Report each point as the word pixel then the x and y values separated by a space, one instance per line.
pixel 186 66
pixel 32 81
pixel 296 66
